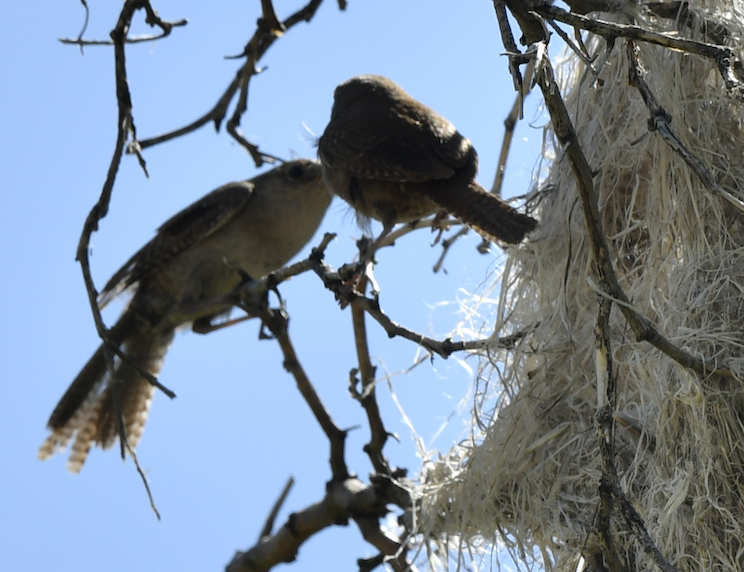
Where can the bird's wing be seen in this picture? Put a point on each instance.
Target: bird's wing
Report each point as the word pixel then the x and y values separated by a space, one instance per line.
pixel 190 226
pixel 386 146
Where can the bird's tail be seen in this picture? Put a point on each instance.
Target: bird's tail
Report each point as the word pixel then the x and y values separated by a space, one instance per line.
pixel 87 411
pixel 484 212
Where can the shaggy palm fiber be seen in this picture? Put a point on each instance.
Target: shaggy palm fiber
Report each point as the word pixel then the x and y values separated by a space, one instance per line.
pixel 529 476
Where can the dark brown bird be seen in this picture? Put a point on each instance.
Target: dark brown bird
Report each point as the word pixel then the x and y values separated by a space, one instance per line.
pixel 396 160
pixel 180 276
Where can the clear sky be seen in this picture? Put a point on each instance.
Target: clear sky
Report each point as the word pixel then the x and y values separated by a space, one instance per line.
pixel 218 455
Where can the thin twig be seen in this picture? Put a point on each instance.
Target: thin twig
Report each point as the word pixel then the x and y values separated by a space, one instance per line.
pixel 145 482
pixel 85 22
pixel 152 19
pixel 448 243
pixel 334 282
pixel 100 209
pixel 660 121
pixel 263 38
pixel 368 397
pixel 125 129
pixel 725 57
pixel 507 38
pixel 642 327
pixel 510 123
pixel 130 40
pixel 277 322
pixel 271 518
pixel 579 50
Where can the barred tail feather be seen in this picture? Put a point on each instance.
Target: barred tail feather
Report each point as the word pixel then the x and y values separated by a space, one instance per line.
pixel 87 411
pixel 486 213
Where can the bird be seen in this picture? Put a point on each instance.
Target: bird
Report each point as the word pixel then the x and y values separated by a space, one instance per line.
pixel 396 160
pixel 180 278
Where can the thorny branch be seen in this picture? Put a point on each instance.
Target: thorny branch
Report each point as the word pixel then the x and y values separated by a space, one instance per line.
pixel 660 121
pixel 728 64
pixel 642 327
pixel 610 488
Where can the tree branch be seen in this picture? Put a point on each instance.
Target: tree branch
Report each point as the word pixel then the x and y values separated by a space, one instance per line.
pixel 641 326
pixel 125 129
pixel 367 397
pixel 728 64
pixel 152 19
pixel 660 121
pixel 263 38
pixel 277 322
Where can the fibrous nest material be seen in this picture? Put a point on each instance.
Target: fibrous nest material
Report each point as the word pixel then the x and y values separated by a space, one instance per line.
pixel 528 479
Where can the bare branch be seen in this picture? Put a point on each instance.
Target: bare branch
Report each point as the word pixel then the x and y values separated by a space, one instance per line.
pixel 510 123
pixel 644 331
pixel 386 543
pixel 343 500
pixel 152 19
pixel 130 40
pixel 660 121
pixel 448 243
pixel 270 21
pixel 606 402
pixel 507 38
pixel 276 321
pixel 337 282
pixel 283 545
pixel 367 397
pixel 271 518
pixel 141 473
pixel 125 129
pixel 263 38
pixel 725 58
pixel 85 22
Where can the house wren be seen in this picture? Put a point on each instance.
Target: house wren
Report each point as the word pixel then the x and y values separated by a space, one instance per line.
pixel 180 276
pixel 396 160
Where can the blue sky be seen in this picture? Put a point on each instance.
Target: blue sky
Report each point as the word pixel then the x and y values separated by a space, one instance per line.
pixel 218 455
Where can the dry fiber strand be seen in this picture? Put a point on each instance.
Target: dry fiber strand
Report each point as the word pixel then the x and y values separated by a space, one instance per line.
pixel 529 477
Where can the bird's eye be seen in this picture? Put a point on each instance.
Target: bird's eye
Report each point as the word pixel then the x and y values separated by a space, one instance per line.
pixel 296 172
